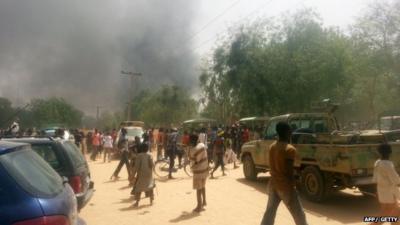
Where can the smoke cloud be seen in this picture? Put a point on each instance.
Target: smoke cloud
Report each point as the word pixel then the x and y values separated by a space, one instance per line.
pixel 76 49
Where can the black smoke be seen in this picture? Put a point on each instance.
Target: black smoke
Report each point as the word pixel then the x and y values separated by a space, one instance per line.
pixel 76 49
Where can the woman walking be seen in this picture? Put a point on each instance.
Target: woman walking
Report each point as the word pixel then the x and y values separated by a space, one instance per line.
pixel 144 175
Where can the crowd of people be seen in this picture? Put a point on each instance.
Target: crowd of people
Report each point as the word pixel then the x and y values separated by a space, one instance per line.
pixel 217 146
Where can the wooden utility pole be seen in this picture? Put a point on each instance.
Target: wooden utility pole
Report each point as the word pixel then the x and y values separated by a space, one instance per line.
pixel 97 115
pixel 132 75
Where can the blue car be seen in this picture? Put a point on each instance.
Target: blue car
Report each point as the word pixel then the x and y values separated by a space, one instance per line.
pixel 31 192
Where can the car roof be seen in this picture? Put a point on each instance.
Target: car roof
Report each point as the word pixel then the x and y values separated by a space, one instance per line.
pixel 133 127
pixel 35 140
pixel 256 118
pixel 390 117
pixel 8 145
pixel 200 120
pixel 304 115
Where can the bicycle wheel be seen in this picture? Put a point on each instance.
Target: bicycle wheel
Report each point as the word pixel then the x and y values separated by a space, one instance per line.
pixel 161 168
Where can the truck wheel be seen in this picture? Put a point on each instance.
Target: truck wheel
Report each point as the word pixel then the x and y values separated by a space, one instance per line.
pixel 313 184
pixel 249 169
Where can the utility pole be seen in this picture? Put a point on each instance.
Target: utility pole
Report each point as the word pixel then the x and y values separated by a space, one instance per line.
pixel 132 75
pixel 97 115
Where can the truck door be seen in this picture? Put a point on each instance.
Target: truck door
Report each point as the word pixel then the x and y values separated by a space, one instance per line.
pixel 270 137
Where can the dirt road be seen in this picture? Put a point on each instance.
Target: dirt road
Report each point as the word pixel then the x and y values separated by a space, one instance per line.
pixel 231 200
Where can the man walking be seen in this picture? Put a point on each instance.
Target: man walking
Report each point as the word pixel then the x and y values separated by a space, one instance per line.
pixel 218 153
pixel 123 146
pixel 198 156
pixel 282 184
pixel 171 150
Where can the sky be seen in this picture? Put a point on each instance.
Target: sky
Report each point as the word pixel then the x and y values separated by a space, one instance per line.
pixel 339 13
pixel 76 49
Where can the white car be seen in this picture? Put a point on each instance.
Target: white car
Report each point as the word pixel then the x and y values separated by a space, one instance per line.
pixel 132 132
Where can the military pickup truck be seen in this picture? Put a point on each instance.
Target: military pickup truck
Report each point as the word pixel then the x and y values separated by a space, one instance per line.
pixel 328 159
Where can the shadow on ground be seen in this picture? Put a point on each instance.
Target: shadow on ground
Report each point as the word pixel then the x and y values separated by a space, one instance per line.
pixel 134 208
pixel 185 216
pixel 114 181
pixel 343 206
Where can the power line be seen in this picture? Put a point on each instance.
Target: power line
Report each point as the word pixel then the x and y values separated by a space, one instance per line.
pixel 213 20
pixel 245 17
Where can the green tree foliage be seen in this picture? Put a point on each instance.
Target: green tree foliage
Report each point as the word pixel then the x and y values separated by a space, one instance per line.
pixel 54 111
pixel 168 106
pixel 271 68
pixel 376 50
pixel 6 112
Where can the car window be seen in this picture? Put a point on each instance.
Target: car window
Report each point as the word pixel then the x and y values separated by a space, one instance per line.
pixel 320 126
pixel 300 124
pixel 133 132
pixel 271 130
pixel 48 154
pixel 74 154
pixel 32 173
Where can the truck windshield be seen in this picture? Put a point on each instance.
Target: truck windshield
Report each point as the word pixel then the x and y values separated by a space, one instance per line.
pixel 390 123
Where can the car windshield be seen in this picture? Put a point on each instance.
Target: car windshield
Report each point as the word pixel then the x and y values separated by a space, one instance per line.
pixel 74 154
pixel 32 173
pixel 133 132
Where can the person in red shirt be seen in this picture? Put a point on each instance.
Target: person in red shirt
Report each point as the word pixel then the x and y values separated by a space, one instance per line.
pixel 95 144
pixel 245 135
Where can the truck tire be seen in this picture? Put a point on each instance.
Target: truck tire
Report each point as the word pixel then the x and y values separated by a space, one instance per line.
pixel 313 185
pixel 249 169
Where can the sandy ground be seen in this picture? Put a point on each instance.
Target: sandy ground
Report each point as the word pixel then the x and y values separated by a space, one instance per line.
pixel 231 200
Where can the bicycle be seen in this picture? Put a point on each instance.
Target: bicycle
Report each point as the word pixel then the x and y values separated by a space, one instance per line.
pixel 161 167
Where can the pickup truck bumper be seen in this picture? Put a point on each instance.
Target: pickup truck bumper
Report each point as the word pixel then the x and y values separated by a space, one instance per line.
pixel 360 181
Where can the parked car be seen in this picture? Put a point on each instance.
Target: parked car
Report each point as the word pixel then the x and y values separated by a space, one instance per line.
pixel 53 132
pixel 65 158
pixel 132 132
pixel 31 192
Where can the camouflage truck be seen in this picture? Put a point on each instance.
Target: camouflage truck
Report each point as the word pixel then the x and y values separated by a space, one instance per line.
pixel 328 159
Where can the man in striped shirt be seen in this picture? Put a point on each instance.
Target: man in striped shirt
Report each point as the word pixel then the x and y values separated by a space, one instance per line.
pixel 198 156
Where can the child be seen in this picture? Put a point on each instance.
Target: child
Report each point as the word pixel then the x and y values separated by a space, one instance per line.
pixel 144 171
pixel 230 156
pixel 387 181
pixel 200 171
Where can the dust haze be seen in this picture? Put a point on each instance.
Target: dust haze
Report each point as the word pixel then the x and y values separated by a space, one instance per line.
pixel 76 49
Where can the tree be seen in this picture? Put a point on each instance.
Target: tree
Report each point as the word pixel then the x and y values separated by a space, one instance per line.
pixel 54 111
pixel 6 112
pixel 272 68
pixel 168 106
pixel 376 43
